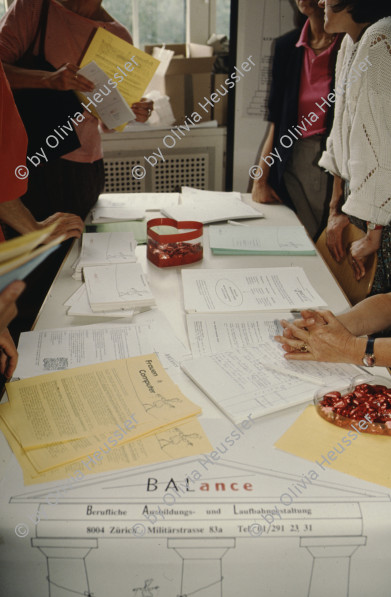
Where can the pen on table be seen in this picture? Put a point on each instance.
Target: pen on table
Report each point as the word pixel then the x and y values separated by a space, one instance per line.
pixel 236 223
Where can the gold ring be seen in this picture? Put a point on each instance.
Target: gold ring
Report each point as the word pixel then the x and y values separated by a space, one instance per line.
pixel 304 347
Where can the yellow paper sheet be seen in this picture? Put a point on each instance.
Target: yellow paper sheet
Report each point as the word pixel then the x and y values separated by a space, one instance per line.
pixel 111 54
pixel 24 244
pixel 181 441
pixel 367 457
pixel 13 264
pixel 61 454
pixel 45 459
pixel 22 249
pixel 88 401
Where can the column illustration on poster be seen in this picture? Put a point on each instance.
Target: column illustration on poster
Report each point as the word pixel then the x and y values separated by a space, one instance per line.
pixel 197 541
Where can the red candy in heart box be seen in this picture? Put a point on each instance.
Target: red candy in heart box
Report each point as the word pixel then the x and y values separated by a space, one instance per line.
pixel 365 406
pixel 168 247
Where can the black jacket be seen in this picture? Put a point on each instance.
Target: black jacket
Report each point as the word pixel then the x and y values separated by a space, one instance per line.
pixel 284 101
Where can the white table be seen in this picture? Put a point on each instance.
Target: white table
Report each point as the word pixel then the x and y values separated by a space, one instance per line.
pixel 329 541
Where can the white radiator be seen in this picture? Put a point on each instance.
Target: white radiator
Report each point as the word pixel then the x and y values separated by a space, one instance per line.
pixel 198 160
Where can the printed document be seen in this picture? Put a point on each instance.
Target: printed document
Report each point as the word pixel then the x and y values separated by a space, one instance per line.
pixel 181 441
pixel 251 289
pixel 212 333
pixel 112 109
pixel 44 351
pixel 102 248
pixel 117 286
pixel 260 240
pixel 79 305
pixel 117 58
pixel 138 201
pixel 241 385
pixel 87 401
pixel 210 206
pixel 260 377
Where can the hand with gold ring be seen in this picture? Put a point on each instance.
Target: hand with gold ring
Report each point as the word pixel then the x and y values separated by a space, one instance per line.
pixel 320 337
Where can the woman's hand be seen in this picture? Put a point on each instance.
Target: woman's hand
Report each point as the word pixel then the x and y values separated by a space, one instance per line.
pixel 66 78
pixel 319 336
pixel 8 297
pixel 8 354
pixel 68 225
pixel 363 248
pixel 335 226
pixel 263 193
pixel 142 109
pixel 8 310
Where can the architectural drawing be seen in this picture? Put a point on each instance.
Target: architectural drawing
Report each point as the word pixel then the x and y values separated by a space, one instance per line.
pixel 275 16
pixel 202 520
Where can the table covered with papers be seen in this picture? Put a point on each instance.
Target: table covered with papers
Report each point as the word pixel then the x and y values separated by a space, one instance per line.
pixel 235 505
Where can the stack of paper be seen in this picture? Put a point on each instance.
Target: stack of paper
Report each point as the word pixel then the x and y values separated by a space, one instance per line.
pixel 119 207
pixel 238 364
pixel 21 255
pixel 124 69
pixel 79 305
pixel 102 215
pixel 98 418
pixel 258 380
pixel 259 240
pixel 210 206
pixel 117 286
pixel 103 248
pixel 252 289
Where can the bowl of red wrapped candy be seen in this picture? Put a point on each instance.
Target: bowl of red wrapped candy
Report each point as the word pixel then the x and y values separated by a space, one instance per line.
pixel 172 243
pixel 365 405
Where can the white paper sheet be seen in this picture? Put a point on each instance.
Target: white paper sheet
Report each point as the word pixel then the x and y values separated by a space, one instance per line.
pixel 209 334
pixel 271 354
pixel 117 286
pixel 239 384
pixel 79 305
pixel 139 201
pixel 101 248
pixel 45 351
pixel 210 206
pixel 251 289
pixel 260 240
pixel 112 108
pixel 100 215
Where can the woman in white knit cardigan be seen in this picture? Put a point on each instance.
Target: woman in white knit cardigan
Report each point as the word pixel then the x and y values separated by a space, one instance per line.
pixel 358 150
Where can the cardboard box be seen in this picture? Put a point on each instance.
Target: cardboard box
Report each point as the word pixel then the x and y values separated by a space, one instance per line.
pixel 220 109
pixel 187 82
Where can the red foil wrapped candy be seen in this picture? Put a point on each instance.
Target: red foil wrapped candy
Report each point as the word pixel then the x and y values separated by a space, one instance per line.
pixel 366 400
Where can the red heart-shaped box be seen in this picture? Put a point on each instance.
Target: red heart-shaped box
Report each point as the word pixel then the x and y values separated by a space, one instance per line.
pixel 167 250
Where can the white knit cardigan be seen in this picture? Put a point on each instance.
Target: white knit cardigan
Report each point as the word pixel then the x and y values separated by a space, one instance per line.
pixel 359 146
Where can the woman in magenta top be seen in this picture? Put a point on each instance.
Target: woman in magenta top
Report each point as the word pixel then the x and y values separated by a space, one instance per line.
pixel 73 182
